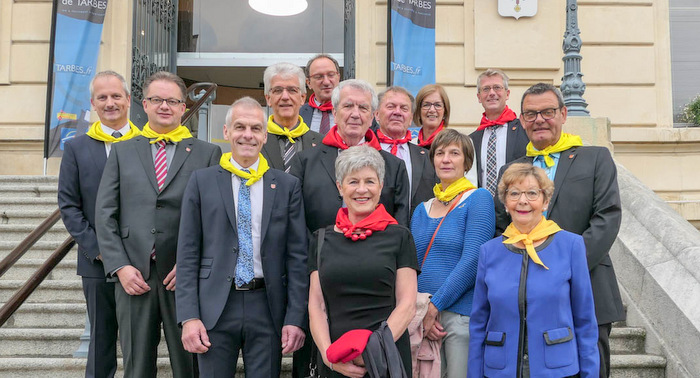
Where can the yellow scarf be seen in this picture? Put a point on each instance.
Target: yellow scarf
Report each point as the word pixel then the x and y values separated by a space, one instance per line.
pixel 95 132
pixel 175 136
pixel 253 176
pixel 565 142
pixel 457 187
pixel 276 129
pixel 542 230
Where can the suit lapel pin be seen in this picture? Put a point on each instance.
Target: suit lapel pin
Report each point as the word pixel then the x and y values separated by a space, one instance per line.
pixel 273 186
pixel 513 128
pixel 188 149
pixel 422 152
pixel 313 144
pixel 571 156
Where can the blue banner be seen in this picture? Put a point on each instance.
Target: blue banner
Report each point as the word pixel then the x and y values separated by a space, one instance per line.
pixel 412 54
pixel 76 44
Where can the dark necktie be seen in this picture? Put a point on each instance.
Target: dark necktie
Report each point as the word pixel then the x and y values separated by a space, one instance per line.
pixel 289 150
pixel 117 134
pixel 491 162
pixel 244 264
pixel 325 123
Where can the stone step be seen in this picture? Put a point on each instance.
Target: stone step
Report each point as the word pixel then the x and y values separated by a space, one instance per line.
pixel 25 267
pixel 48 315
pixel 27 179
pixel 627 340
pixel 42 254
pixel 17 232
pixel 28 203
pixel 28 190
pixel 33 342
pixel 49 291
pixel 40 250
pixel 30 216
pixel 74 367
pixel 637 366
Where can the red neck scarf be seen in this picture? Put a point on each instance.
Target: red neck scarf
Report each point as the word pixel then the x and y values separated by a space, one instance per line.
pixel 377 221
pixel 325 107
pixel 393 142
pixel 427 142
pixel 507 116
pixel 333 139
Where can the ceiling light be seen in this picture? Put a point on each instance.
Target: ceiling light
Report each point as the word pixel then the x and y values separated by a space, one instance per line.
pixel 279 7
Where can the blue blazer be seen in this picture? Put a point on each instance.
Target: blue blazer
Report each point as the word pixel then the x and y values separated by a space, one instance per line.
pixel 83 161
pixel 207 249
pixel 562 332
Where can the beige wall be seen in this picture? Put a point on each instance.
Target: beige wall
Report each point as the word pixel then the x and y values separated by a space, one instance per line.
pixel 25 28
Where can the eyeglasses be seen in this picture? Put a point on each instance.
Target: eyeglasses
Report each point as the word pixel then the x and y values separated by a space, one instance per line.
pixel 279 90
pixel 531 115
pixel 329 75
pixel 531 195
pixel 427 105
pixel 487 89
pixel 156 101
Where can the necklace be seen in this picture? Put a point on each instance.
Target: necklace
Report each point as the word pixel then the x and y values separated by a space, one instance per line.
pixel 446 202
pixel 356 235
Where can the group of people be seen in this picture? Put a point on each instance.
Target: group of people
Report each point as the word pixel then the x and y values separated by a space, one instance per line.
pixel 319 234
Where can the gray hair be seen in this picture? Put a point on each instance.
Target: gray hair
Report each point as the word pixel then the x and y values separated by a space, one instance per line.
pixel 397 89
pixel 319 56
pixel 357 84
pixel 245 102
pixel 492 72
pixel 356 158
pixel 166 76
pixel 285 70
pixel 541 88
pixel 107 74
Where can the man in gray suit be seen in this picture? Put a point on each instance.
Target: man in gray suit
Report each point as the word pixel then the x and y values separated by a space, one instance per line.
pixel 586 198
pixel 138 215
pixel 241 263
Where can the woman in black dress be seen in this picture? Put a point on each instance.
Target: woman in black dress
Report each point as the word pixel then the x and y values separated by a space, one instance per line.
pixel 367 269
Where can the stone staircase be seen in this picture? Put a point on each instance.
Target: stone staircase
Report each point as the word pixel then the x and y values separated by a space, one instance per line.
pixel 40 338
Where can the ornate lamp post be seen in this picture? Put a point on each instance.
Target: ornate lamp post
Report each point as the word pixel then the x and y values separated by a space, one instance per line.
pixel 572 85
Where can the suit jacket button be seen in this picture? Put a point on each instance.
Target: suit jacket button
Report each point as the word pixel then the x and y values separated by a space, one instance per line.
pixel 153 230
pixel 158 207
pixel 228 278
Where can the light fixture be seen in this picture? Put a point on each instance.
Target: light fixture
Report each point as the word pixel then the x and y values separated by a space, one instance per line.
pixel 279 7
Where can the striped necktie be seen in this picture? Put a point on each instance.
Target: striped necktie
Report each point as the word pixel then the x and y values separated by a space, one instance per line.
pixel 161 164
pixel 491 162
pixel 289 150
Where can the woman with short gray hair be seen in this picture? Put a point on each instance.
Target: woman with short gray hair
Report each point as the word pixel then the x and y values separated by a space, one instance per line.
pixel 362 269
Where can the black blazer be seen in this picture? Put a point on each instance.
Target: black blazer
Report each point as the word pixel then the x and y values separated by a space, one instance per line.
pixel 307 113
pixel 516 142
pixel 83 161
pixel 207 248
pixel 423 175
pixel 271 149
pixel 133 215
pixel 315 168
pixel 586 201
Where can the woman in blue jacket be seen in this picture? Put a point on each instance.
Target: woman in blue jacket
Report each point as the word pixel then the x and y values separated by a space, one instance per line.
pixel 533 313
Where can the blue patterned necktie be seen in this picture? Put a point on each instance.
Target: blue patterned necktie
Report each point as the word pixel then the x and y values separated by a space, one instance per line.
pixel 244 265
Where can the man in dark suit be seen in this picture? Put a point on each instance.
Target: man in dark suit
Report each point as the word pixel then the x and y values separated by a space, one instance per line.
pixel 500 138
pixel 322 76
pixel 81 170
pixel 394 116
pixel 288 134
pixel 241 263
pixel 354 103
pixel 138 216
pixel 586 198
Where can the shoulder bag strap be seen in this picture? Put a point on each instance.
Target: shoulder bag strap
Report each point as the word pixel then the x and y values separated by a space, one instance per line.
pixel 438 227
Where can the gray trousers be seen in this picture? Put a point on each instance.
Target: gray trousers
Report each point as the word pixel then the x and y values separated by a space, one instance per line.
pixel 140 318
pixel 454 352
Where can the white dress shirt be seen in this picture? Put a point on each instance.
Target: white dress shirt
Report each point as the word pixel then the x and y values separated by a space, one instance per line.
pixel 108 130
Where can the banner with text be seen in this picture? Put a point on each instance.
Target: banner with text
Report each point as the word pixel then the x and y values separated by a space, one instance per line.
pixel 76 43
pixel 412 44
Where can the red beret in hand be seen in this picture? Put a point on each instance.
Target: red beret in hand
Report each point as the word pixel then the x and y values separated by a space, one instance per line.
pixel 348 346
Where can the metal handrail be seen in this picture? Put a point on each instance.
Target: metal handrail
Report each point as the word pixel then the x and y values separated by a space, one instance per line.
pixel 211 87
pixel 33 282
pixel 28 242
